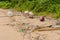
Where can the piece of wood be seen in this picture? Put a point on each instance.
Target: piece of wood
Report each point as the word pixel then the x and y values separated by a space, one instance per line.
pixel 47 29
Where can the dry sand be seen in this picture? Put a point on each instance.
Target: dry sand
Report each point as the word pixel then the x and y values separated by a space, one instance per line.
pixel 8 32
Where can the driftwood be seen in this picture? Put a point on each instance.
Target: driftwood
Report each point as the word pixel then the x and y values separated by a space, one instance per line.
pixel 47 29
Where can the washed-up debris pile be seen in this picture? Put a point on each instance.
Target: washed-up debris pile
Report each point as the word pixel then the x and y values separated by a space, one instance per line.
pixel 24 21
pixel 27 24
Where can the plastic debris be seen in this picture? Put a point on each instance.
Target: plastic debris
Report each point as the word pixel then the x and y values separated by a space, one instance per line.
pixel 26 13
pixel 21 30
pixel 31 15
pixel 9 13
pixel 41 18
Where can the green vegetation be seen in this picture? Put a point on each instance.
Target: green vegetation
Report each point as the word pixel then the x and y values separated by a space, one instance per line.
pixel 39 7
